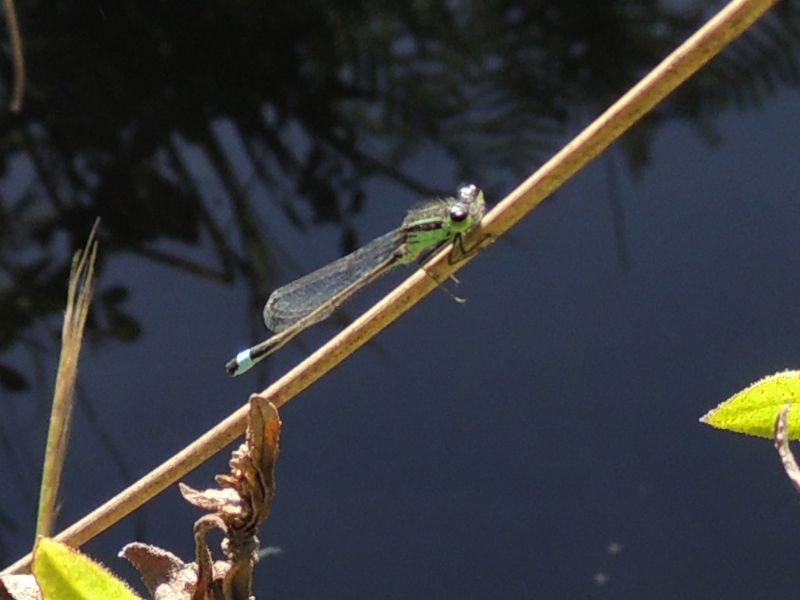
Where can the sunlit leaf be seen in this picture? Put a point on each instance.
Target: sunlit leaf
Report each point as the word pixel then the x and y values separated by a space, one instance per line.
pixel 63 573
pixel 754 409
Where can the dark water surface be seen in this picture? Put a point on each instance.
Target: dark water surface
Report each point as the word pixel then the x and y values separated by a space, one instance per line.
pixel 539 441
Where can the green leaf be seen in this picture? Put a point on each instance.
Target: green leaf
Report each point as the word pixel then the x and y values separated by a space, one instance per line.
pixel 63 573
pixel 754 409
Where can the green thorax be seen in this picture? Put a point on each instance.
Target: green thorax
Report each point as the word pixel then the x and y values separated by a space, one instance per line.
pixel 434 223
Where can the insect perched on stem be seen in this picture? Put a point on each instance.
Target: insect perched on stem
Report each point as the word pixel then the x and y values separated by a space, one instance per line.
pixel 313 297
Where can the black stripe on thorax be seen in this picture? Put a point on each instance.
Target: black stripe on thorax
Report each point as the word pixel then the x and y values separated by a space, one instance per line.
pixel 425 226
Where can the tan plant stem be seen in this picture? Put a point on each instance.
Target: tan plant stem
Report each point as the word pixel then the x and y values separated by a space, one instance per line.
pixel 17 55
pixel 79 297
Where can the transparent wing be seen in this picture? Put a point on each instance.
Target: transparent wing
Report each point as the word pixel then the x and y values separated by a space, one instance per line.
pixel 294 301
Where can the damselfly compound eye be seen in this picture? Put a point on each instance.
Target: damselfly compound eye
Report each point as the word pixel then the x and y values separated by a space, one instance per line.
pixel 458 213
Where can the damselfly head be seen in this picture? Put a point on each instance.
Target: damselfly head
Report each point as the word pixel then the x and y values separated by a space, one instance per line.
pixel 470 200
